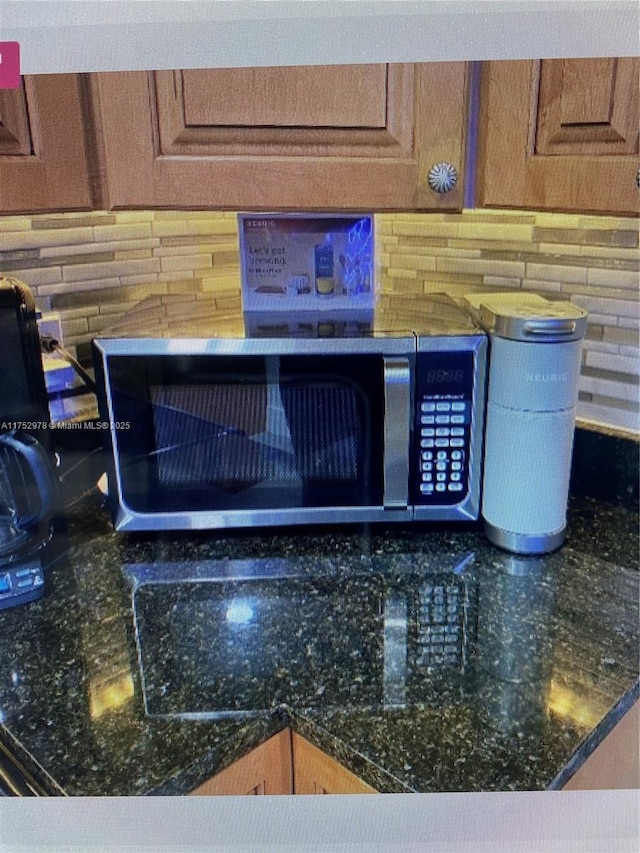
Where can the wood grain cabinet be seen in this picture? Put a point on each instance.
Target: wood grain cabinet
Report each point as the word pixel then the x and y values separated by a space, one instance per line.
pixel 315 772
pixel 360 137
pixel 284 764
pixel 615 763
pixel 43 159
pixel 560 134
pixel 267 769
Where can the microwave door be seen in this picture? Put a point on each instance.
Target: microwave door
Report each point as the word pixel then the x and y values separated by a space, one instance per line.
pixel 261 439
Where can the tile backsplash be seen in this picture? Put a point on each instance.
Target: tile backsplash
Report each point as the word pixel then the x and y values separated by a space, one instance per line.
pixel 92 266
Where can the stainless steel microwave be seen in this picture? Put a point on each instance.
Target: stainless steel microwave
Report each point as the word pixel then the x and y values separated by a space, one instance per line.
pixel 215 419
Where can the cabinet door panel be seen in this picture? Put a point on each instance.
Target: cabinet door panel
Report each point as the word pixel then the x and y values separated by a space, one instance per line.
pixel 265 770
pixel 341 137
pixel 15 134
pixel 287 97
pixel 43 162
pixel 285 112
pixel 315 772
pixel 588 106
pixel 560 135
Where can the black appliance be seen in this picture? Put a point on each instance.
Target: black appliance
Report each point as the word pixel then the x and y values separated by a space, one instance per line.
pixel 28 494
pixel 28 483
pixel 23 394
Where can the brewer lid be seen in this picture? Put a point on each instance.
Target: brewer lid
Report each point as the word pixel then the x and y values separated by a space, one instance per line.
pixel 528 317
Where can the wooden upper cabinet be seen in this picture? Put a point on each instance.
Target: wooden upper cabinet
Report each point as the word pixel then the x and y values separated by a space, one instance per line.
pixel 43 160
pixel 560 134
pixel 359 137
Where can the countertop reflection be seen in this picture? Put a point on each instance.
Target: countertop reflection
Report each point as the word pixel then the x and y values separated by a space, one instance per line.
pixel 420 657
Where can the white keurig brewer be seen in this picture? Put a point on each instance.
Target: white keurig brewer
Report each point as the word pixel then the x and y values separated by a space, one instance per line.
pixel 533 388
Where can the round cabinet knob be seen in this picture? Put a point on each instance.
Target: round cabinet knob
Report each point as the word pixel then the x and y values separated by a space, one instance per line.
pixel 442 177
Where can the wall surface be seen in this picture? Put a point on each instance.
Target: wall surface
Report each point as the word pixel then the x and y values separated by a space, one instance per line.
pixel 92 266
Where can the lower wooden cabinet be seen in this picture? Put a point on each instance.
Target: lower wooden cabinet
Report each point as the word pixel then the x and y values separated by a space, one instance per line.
pixel 615 763
pixel 314 772
pixel 267 769
pixel 284 764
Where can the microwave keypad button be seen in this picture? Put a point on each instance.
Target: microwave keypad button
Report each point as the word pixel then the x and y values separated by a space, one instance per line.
pixel 24 583
pixel 444 428
pixel 427 455
pixel 427 478
pixel 5 584
pixel 427 466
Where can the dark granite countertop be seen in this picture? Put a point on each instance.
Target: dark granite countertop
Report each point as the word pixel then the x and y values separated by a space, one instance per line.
pixel 421 657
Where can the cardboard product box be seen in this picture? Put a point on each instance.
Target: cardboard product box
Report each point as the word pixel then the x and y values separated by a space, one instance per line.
pixel 306 261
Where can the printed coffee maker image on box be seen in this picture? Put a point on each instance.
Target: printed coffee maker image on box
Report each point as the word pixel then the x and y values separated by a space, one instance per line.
pixel 531 399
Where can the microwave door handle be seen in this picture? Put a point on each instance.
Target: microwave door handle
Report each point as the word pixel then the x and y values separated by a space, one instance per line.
pixel 397 414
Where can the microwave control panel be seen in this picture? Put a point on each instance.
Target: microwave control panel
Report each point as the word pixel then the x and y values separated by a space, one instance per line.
pixel 442 428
